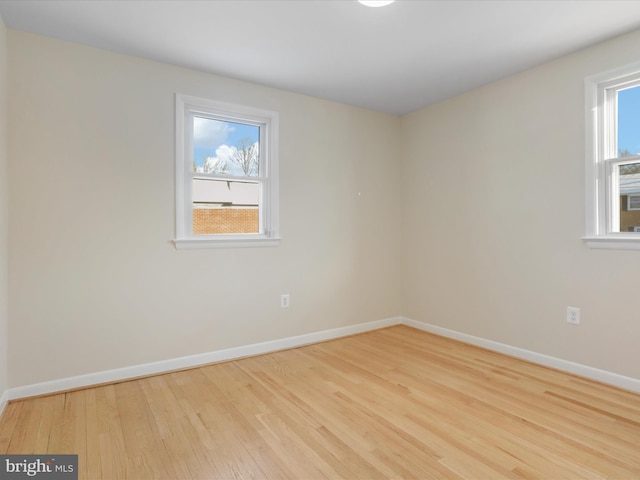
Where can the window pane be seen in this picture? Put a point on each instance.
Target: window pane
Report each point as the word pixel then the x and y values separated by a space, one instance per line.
pixel 629 176
pixel 225 148
pixel 225 207
pixel 629 122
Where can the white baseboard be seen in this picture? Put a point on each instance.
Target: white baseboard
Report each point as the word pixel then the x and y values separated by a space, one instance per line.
pixel 164 366
pixel 603 376
pixel 120 374
pixel 4 399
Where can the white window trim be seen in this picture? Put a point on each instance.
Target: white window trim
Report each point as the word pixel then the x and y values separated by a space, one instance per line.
pixel 185 239
pixel 599 201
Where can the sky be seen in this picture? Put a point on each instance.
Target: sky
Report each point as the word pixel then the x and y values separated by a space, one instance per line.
pixel 629 120
pixel 218 139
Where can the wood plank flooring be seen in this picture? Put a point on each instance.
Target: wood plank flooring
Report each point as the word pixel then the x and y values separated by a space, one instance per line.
pixel 393 403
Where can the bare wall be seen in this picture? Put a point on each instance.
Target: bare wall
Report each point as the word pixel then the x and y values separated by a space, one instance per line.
pixel 4 219
pixel 493 185
pixel 95 282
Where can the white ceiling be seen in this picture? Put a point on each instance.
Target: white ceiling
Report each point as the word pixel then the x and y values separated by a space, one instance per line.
pixel 395 59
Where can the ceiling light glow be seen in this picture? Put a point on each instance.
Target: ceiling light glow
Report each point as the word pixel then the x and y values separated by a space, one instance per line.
pixel 376 3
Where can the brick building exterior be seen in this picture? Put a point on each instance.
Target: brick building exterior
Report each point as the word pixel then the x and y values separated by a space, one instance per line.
pixel 225 220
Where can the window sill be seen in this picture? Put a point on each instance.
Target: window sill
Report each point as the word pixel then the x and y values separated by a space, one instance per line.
pixel 615 242
pixel 236 242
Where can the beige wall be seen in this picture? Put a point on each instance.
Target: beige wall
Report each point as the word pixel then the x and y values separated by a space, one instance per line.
pixel 493 185
pixel 4 220
pixel 92 152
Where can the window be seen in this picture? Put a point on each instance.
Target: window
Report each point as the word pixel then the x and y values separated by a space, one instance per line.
pixel 613 159
pixel 226 175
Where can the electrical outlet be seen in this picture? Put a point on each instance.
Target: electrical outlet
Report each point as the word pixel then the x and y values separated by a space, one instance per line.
pixel 573 315
pixel 284 300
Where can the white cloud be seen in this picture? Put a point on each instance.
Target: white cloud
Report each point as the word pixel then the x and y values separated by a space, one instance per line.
pixel 224 154
pixel 210 133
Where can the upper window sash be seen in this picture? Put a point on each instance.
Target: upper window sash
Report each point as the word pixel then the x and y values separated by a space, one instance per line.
pixel 263 124
pixel 608 116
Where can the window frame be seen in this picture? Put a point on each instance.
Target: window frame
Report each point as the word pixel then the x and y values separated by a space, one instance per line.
pixel 187 106
pixel 629 202
pixel 602 195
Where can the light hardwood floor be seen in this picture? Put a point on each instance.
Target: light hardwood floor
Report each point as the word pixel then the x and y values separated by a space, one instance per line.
pixel 393 403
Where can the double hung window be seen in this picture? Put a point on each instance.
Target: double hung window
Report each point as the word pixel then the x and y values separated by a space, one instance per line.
pixel 226 174
pixel 613 159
